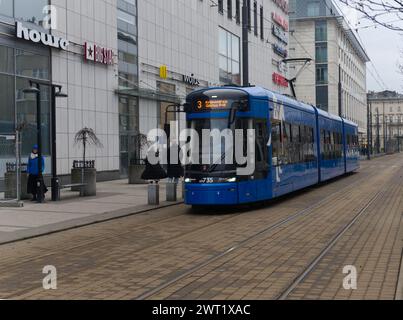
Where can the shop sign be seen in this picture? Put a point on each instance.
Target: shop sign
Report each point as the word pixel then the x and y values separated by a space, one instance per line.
pixel 281 21
pixel 40 37
pixel 191 80
pixel 283 5
pixel 280 80
pixel 280 34
pixel 163 72
pixel 98 54
pixel 280 51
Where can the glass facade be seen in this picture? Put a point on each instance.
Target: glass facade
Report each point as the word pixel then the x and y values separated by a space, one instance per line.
pixel 26 10
pixel 229 56
pixel 128 79
pixel 17 67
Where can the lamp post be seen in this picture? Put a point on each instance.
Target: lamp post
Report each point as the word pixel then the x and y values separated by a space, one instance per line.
pixel 56 93
pixel 35 89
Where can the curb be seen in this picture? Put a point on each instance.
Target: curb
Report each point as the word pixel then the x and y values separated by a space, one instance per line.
pixel 399 289
pixel 81 222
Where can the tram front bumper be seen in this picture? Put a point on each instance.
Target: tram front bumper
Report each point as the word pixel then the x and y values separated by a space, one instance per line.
pixel 211 194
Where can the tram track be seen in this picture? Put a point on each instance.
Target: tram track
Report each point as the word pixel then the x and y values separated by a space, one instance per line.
pixel 307 271
pixel 150 224
pixel 305 212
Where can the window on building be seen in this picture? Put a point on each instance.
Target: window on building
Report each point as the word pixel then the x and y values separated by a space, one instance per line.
pixel 221 6
pixel 321 74
pixel 322 97
pixel 321 52
pixel 255 18
pixel 238 11
pixel 30 11
pixel 229 9
pixel 321 31
pixel 313 9
pixel 261 23
pixel 249 15
pixel 6 8
pixel 229 56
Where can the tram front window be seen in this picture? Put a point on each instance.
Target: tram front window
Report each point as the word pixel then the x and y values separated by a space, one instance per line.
pixel 216 157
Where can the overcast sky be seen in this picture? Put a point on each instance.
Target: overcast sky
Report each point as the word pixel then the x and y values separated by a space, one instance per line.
pixel 384 48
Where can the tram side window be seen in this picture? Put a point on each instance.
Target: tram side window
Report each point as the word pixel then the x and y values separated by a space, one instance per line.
pixel 292 143
pixel 331 145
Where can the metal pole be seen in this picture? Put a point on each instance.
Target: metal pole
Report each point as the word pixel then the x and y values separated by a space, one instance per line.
pixel 55 179
pixel 368 130
pixel 378 129
pixel 245 43
pixel 39 138
pixel 340 88
pixel 18 168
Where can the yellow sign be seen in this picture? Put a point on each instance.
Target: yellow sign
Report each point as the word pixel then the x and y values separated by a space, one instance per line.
pixel 163 72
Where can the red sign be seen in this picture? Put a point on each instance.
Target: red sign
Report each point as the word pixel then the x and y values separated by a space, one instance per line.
pixel 280 80
pixel 98 54
pixel 281 21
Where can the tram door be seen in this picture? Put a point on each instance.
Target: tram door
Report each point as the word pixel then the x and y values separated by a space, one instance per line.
pixel 262 170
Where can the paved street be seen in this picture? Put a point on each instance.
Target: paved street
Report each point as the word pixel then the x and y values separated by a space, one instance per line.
pixel 114 199
pixel 294 248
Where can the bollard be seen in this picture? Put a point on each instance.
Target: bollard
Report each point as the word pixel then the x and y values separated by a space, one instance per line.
pixel 172 192
pixel 153 194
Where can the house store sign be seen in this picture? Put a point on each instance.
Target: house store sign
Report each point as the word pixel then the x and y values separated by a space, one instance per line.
pixel 40 37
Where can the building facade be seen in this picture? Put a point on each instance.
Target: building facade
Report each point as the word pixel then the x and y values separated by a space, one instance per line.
pixel 122 63
pixel 387 121
pixel 68 43
pixel 186 45
pixel 336 78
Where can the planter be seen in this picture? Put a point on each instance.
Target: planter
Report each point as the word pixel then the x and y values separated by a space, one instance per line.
pixel 90 179
pixel 135 172
pixel 10 184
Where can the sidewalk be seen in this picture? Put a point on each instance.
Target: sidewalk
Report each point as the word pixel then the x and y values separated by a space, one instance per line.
pixel 114 199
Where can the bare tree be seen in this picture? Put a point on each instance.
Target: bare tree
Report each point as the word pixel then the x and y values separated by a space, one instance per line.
pixel 86 137
pixel 387 13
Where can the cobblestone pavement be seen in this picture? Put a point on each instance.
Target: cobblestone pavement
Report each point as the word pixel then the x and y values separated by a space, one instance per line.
pixel 293 248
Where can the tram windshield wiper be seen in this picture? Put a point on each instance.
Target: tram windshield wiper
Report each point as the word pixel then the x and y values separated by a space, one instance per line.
pixel 231 120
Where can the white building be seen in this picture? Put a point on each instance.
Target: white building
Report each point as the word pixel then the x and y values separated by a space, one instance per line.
pixel 200 43
pixel 321 33
pixel 122 62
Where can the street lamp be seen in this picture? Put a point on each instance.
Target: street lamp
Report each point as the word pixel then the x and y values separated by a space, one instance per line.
pixel 34 89
pixel 56 93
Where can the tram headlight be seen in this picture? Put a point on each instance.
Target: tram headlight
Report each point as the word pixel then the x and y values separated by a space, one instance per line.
pixel 188 180
pixel 231 180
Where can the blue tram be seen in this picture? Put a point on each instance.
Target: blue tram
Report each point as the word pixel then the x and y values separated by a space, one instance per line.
pixel 296 146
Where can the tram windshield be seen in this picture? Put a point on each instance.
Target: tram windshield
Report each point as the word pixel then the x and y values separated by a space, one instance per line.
pixel 215 160
pixel 216 157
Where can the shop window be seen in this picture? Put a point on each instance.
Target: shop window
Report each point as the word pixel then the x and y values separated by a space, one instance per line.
pixel 7 122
